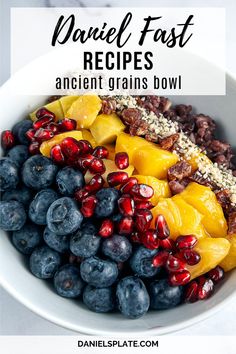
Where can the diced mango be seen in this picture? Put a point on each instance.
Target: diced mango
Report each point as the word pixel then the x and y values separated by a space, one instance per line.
pixel 204 200
pixel 212 252
pixel 54 107
pixel 106 128
pixel 88 136
pixel 111 149
pixel 66 102
pixel 46 146
pixel 84 110
pixel 160 187
pixel 129 144
pixel 153 161
pixel 229 262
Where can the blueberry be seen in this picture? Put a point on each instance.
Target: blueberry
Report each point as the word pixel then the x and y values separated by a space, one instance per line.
pixel 116 217
pixel 20 129
pixel 141 262
pixel 22 194
pixel 38 172
pixel 107 202
pixel 98 272
pixel 68 180
pixel 63 216
pixel 163 296
pixel 44 262
pixel 8 174
pixel 59 243
pixel 27 238
pixel 132 297
pixel 99 300
pixel 85 243
pixel 39 206
pixel 12 215
pixel 117 247
pixel 19 154
pixel 67 281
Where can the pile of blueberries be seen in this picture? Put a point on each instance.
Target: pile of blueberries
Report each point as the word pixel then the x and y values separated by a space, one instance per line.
pixel 46 225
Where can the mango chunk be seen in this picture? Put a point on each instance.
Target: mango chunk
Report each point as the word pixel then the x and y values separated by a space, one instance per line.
pixel 111 149
pixel 88 136
pixel 204 200
pixel 46 146
pixel 229 262
pixel 54 107
pixel 84 110
pixel 106 128
pixel 66 102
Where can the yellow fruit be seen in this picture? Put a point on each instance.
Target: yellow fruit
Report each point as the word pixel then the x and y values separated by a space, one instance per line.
pixel 88 136
pixel 153 161
pixel 66 102
pixel 46 146
pixel 212 252
pixel 129 144
pixel 111 149
pixel 195 158
pixel 106 128
pixel 204 200
pixel 160 187
pixel 84 110
pixel 54 107
pixel 229 262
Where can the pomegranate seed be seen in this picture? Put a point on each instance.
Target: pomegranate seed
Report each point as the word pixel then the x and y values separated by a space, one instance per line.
pixel 81 194
pixel 97 166
pixel 43 134
pixel 85 161
pixel 30 134
pixel 142 191
pixel 191 292
pixel 150 239
pixel 125 225
pixel 88 206
pixel 174 264
pixel 106 228
pixel 67 124
pixel 34 148
pixel 41 112
pixel 135 237
pixel 128 184
pixel 56 154
pixel 143 205
pixel 70 147
pixel 181 278
pixel 122 160
pixel 205 288
pixel 85 147
pixel 95 184
pixel 116 178
pixel 162 227
pixel 167 244
pixel 160 259
pixel 126 205
pixel 53 127
pixel 7 139
pixel 101 152
pixel 143 218
pixel 41 122
pixel 191 257
pixel 216 274
pixel 188 241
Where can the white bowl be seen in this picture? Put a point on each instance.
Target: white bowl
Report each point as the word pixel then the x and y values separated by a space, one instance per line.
pixel 38 296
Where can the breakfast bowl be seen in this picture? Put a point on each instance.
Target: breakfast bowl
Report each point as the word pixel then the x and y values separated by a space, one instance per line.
pixel 39 296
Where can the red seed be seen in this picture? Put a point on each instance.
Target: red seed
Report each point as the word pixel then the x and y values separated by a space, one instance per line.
pixel 57 155
pixel 67 124
pixel 85 147
pixel 150 239
pixel 128 184
pixel 143 218
pixel 85 161
pixel 205 288
pixel 7 139
pixel 41 112
pixel 135 237
pixel 88 206
pixel 116 178
pixel 188 241
pixel 125 225
pixel 53 127
pixel 43 134
pixel 126 205
pixel 30 134
pixel 174 264
pixel 34 148
pixel 41 122
pixel 162 228
pixel 70 147
pixel 106 228
pixel 143 205
pixel 81 194
pixel 101 152
pixel 95 184
pixel 181 278
pixel 160 259
pixel 190 256
pixel 122 160
pixel 191 292
pixel 142 191
pixel 97 166
pixel 216 274
pixel 167 244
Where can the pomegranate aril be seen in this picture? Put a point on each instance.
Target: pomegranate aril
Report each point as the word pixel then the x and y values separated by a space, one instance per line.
pixel 126 205
pixel 174 264
pixel 150 239
pixel 97 166
pixel 143 218
pixel 56 154
pixel 205 288
pixel 43 134
pixel 191 292
pixel 183 242
pixel 167 244
pixel 34 148
pixel 142 191
pixel 135 237
pixel 160 259
pixel 70 147
pixel 41 122
pixel 143 205
pixel 106 228
pixel 30 134
pixel 101 152
pixel 88 206
pixel 162 227
pixel 7 139
pixel 122 160
pixel 216 274
pixel 53 127
pixel 85 161
pixel 81 194
pixel 125 225
pixel 190 256
pixel 116 178
pixel 128 184
pixel 67 124
pixel 181 278
pixel 95 184
pixel 41 112
pixel 85 147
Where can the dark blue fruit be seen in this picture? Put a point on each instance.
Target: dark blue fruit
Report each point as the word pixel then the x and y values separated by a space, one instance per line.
pixel 8 174
pixel 68 180
pixel 107 202
pixel 141 262
pixel 19 154
pixel 63 216
pixel 117 247
pixel 27 238
pixel 38 172
pixel 59 243
pixel 12 215
pixel 98 272
pixel 44 262
pixel 99 300
pixel 132 297
pixel 20 129
pixel 21 194
pixel 163 296
pixel 85 243
pixel 39 206
pixel 67 281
